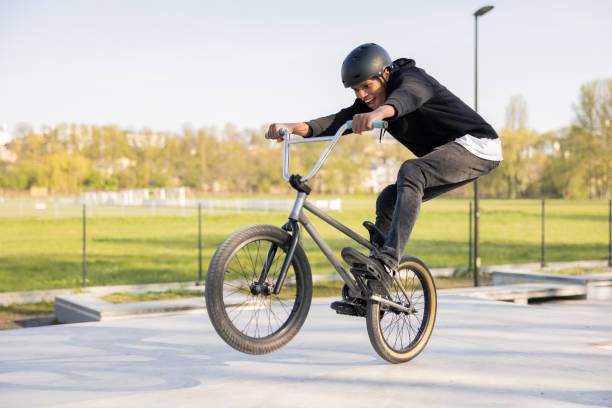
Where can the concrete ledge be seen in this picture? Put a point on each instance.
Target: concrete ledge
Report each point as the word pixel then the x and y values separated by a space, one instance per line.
pixel 514 285
pixel 597 286
pixel 87 308
pixel 599 289
pixel 49 295
pixel 521 294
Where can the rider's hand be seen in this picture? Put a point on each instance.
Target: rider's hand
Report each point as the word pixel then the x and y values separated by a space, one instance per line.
pixel 273 131
pixel 362 122
pixel 300 129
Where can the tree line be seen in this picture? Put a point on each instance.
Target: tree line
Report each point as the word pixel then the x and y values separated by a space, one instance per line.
pixel 573 162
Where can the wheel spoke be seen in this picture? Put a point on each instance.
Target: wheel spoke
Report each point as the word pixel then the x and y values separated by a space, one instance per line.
pixel 243 270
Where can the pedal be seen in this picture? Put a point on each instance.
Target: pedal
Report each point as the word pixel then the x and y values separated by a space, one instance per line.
pixel 349 309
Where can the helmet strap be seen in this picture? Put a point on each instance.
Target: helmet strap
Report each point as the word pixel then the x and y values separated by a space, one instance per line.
pixel 384 81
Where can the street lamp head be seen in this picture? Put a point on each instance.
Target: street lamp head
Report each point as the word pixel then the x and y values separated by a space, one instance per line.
pixel 483 10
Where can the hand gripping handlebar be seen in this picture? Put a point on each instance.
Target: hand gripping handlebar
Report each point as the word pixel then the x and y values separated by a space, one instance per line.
pixel 332 142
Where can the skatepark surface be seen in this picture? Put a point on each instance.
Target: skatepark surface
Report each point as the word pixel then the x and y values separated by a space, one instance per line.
pixel 482 353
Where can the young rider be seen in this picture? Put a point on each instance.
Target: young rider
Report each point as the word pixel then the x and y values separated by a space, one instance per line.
pixel 453 143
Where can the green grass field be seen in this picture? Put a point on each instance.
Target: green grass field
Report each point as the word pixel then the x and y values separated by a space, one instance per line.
pixel 43 250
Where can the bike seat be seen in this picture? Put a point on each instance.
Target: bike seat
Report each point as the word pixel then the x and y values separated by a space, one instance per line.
pixel 377 238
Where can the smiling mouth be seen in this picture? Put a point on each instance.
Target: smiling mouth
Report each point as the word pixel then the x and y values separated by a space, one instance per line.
pixel 368 101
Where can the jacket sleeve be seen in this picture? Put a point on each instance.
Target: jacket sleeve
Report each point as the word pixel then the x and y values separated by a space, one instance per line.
pixel 328 125
pixel 409 94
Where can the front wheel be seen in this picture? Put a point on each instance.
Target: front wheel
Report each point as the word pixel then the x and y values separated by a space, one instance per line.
pixel 243 310
pixel 399 336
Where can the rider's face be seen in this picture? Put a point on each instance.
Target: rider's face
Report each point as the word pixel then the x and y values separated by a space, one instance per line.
pixel 372 91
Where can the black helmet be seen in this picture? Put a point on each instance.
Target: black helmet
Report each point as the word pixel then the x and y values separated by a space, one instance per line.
pixel 364 62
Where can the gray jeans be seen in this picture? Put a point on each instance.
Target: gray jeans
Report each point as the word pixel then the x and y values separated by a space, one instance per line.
pixel 447 167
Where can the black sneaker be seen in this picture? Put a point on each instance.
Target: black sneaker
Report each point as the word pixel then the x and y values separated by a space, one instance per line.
pixel 389 260
pixel 372 267
pixel 377 238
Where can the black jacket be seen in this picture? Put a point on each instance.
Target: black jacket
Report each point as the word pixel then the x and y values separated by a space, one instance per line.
pixel 427 114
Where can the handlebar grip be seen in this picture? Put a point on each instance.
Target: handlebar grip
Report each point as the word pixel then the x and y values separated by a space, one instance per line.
pixel 377 124
pixel 282 131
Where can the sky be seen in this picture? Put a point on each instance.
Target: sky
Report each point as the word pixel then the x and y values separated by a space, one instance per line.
pixel 165 65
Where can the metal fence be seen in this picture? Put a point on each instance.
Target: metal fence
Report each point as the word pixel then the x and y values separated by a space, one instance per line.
pixel 93 207
pixel 550 215
pixel 543 234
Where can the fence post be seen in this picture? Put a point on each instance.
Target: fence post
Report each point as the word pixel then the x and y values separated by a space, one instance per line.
pixel 476 239
pixel 543 258
pixel 84 245
pixel 470 267
pixel 199 243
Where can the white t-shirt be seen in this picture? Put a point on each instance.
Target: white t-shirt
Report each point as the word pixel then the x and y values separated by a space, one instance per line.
pixel 488 149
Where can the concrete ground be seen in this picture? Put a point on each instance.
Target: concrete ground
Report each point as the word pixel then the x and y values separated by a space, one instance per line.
pixel 482 354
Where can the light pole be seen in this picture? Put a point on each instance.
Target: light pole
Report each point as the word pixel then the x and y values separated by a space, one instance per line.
pixel 481 11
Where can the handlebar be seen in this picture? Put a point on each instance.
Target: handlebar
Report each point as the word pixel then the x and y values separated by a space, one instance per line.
pixel 377 124
pixel 332 142
pixel 283 131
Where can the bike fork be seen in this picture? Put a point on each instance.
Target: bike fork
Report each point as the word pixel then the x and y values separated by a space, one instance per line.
pixel 290 226
pixel 295 239
pixel 266 268
pixel 293 227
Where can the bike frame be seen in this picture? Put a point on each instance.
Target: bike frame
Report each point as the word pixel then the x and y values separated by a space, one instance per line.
pixel 297 216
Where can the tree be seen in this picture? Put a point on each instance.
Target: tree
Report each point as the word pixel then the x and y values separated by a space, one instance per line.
pixel 64 172
pixel 516 113
pixel 511 179
pixel 94 180
pixel 580 166
pixel 590 138
pixel 523 159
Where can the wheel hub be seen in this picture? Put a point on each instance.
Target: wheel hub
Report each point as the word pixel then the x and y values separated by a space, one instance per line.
pixel 265 289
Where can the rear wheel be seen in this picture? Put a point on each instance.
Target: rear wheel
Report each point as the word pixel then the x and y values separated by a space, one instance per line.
pixel 243 311
pixel 399 336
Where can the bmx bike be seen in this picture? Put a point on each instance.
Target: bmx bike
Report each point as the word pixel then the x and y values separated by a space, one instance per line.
pixel 259 285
